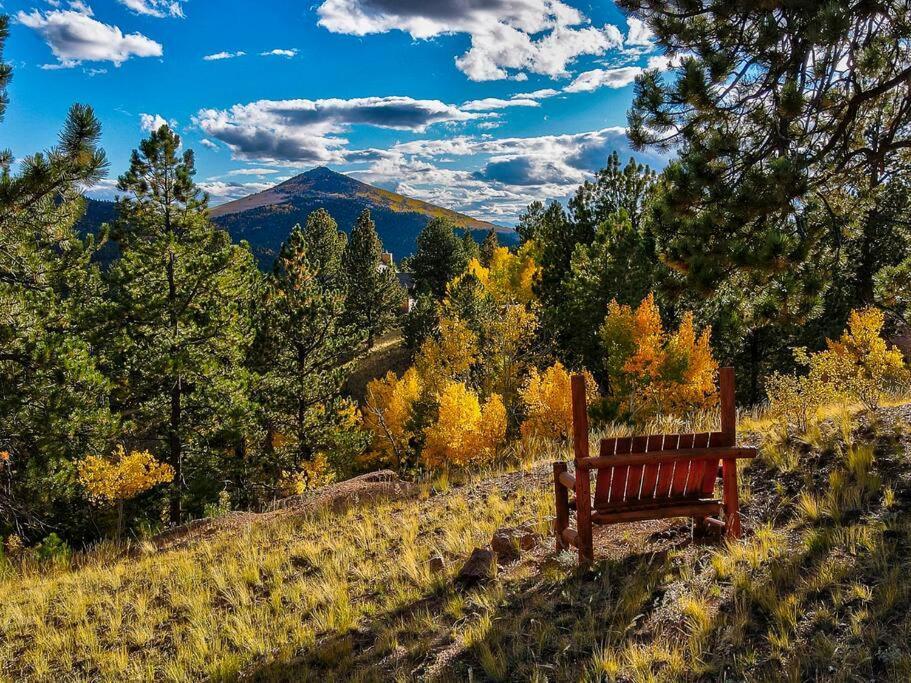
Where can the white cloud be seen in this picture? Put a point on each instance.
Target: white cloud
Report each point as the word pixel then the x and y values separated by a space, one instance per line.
pixel 507 36
pixel 665 62
pixel 152 122
pixel 308 131
pixel 639 33
pixel 492 103
pixel 598 78
pixel 208 144
pixel 224 55
pixel 280 53
pixel 220 191
pixel 253 171
pixel 542 94
pixel 74 36
pixel 155 8
pixel 510 172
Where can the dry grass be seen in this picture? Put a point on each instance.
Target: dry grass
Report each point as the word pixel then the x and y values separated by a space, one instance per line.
pixel 819 589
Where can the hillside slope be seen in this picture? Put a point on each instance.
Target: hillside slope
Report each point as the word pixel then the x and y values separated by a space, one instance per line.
pixel 819 589
pixel 265 218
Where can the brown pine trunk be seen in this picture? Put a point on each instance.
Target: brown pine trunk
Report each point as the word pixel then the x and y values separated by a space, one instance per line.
pixel 175 447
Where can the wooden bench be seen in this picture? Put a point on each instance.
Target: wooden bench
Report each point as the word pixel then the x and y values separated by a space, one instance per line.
pixel 658 476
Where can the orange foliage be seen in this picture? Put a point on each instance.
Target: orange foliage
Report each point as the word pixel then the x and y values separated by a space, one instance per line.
pixel 652 371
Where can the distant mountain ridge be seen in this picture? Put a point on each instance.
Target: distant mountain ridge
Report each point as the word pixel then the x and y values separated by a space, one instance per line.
pixel 264 219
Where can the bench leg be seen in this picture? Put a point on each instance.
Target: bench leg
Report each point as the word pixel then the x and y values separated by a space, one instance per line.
pixel 731 499
pixel 584 516
pixel 561 497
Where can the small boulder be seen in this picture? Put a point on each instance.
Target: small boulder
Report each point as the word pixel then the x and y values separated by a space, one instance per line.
pixel 437 565
pixel 480 567
pixel 509 542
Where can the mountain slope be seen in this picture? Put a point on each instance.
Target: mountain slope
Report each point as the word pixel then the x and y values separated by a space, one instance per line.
pixel 265 218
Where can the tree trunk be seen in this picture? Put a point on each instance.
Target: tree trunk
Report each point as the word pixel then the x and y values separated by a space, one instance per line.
pixel 866 269
pixel 175 446
pixel 176 456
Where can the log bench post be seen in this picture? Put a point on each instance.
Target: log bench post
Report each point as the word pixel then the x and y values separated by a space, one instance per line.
pixel 561 495
pixel 583 475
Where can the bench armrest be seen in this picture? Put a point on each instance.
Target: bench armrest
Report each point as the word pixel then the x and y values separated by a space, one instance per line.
pixel 568 480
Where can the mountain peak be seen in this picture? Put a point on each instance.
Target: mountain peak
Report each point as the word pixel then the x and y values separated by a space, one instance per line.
pixel 265 218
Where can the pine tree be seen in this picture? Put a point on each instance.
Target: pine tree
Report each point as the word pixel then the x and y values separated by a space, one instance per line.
pixel 325 248
pixel 614 189
pixel 531 220
pixel 179 294
pixel 470 247
pixel 52 395
pixel 306 351
pixel 439 258
pixel 789 121
pixel 374 297
pixel 488 246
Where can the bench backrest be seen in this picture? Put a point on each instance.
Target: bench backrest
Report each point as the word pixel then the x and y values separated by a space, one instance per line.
pixel 662 482
pixel 683 479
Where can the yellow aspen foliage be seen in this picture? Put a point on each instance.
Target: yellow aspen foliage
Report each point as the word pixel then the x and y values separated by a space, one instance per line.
pixel 863 364
pixel 123 476
pixel 464 432
pixel 311 474
pixel 795 400
pixel 388 412
pixel 860 366
pixel 652 371
pixel 448 356
pixel 548 402
pixel 505 356
pixel 509 277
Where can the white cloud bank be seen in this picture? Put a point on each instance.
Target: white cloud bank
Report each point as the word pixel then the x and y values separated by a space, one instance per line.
pixel 75 36
pixel 308 131
pixel 508 37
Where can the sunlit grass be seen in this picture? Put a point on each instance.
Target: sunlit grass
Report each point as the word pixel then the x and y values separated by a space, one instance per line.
pixel 265 592
pixel 825 587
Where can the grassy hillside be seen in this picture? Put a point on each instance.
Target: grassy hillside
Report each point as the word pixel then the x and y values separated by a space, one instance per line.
pixel 819 589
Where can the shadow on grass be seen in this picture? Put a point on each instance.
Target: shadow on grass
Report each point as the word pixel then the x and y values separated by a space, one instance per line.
pixel 822 598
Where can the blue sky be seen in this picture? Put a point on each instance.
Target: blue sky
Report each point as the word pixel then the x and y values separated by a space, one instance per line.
pixel 477 105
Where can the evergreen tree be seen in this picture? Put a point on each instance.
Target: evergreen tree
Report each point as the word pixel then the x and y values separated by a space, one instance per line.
pixel 53 406
pixel 421 321
pixel 471 248
pixel 306 352
pixel 772 106
pixel 325 247
pixel 488 246
pixel 374 296
pixel 614 189
pixel 179 296
pixel 790 121
pixel 619 265
pixel 439 258
pixel 531 220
